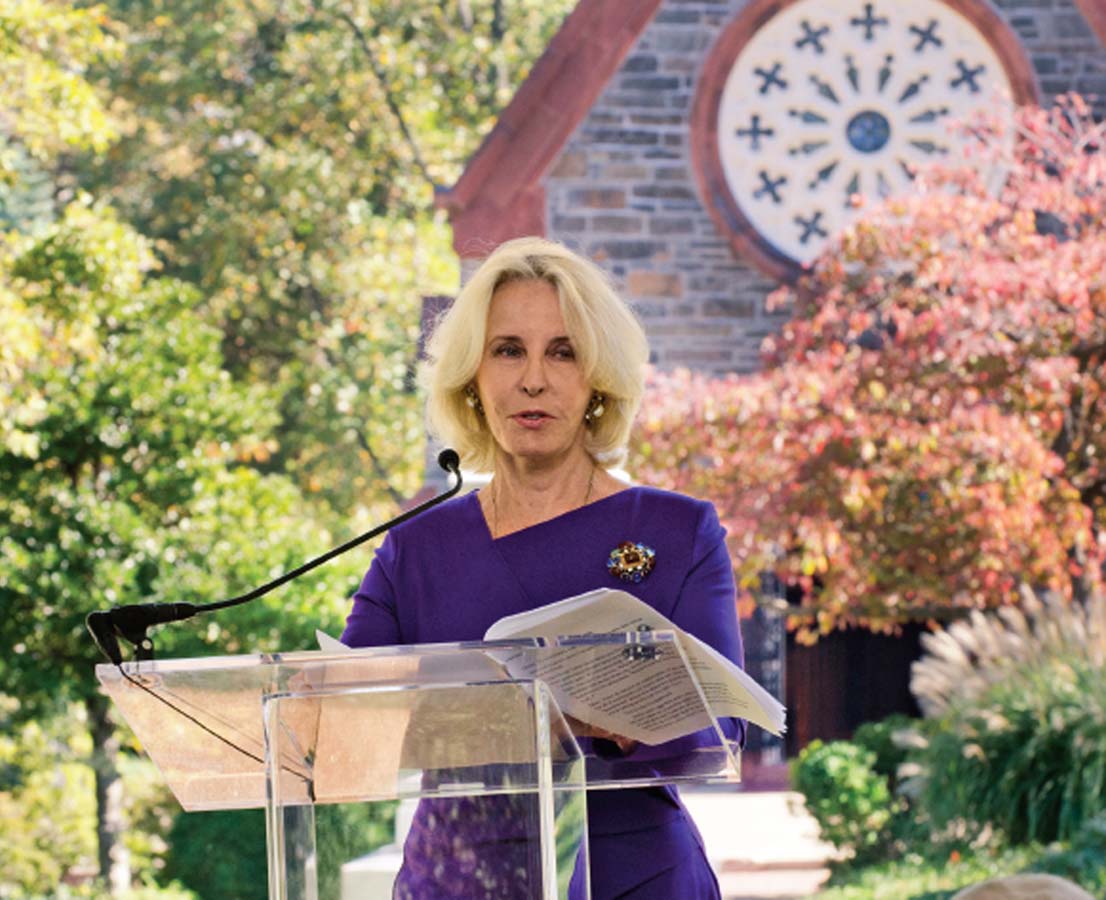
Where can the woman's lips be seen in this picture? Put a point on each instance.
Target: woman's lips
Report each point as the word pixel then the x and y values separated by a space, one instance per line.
pixel 531 418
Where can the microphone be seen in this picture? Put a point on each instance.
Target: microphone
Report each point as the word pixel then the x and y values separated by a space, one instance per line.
pixel 130 621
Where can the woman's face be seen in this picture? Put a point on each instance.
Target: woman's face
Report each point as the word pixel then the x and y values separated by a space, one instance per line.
pixel 529 381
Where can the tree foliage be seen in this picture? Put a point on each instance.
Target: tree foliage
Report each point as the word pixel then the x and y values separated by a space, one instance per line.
pixel 928 431
pixel 158 432
pixel 283 157
pixel 47 808
pixel 211 351
pixel 45 803
pixel 49 106
pixel 127 475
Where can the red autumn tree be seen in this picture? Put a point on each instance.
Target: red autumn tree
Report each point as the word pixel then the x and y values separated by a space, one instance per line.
pixel 929 430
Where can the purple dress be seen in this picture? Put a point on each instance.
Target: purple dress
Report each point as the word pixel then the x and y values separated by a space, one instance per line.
pixel 440 577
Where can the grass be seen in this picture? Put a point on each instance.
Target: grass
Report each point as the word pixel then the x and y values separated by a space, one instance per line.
pixel 918 879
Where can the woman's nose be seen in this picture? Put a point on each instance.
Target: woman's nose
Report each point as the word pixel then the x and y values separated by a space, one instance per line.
pixel 533 377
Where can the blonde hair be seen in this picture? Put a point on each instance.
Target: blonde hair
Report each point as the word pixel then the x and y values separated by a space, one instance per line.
pixel 609 342
pixel 1028 886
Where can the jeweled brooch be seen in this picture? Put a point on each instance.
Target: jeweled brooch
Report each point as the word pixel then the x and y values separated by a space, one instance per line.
pixel 631 562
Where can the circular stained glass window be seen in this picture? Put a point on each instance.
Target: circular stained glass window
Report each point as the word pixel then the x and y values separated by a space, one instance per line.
pixel 828 99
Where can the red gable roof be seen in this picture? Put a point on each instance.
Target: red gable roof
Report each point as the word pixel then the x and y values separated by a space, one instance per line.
pixel 499 195
pixel 1094 11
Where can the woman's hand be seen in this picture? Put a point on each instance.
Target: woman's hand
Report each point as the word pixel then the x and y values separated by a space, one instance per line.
pixel 583 729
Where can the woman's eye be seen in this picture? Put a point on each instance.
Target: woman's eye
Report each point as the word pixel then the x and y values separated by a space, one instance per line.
pixel 508 350
pixel 564 352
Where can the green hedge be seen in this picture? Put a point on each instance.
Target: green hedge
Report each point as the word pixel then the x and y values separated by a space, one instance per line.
pixel 222 854
pixel 851 802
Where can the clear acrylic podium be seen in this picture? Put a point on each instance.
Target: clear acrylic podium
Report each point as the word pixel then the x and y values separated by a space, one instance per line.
pixel 528 725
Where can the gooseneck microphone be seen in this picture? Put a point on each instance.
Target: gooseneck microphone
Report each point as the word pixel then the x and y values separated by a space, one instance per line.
pixel 131 621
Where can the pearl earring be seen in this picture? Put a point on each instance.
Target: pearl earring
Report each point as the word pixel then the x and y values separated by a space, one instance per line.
pixel 595 408
pixel 473 400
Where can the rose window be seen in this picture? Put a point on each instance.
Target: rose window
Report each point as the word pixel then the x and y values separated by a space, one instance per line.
pixel 828 99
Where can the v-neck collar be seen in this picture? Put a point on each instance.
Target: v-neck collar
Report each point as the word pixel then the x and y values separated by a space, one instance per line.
pixel 559 519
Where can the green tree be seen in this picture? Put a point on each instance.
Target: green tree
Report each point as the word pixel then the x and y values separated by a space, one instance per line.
pixel 128 476
pixel 50 109
pixel 45 802
pixel 50 106
pixel 283 157
pixel 170 437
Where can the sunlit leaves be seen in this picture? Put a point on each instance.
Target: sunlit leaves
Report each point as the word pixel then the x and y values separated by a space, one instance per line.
pixel 282 156
pixel 48 103
pixel 46 801
pixel 139 474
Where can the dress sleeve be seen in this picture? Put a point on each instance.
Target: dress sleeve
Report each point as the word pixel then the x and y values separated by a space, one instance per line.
pixel 707 604
pixel 373 621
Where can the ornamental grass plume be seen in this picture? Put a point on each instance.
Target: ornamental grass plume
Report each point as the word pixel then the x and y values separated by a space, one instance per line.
pixel 963 661
pixel 1016 703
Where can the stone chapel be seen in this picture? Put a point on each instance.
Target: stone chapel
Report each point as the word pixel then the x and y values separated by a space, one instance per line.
pixel 703 150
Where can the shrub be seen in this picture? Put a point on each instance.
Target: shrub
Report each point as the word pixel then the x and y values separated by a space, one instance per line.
pixel 155 892
pixel 1083 860
pixel 850 801
pixel 219 854
pixel 1019 703
pixel 347 831
pixel 883 740
pixel 909 829
pixel 919 878
pixel 222 854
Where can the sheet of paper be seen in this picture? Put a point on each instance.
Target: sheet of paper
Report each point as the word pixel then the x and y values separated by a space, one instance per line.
pixel 329 644
pixel 728 689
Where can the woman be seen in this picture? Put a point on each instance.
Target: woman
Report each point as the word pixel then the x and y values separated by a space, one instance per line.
pixel 536 375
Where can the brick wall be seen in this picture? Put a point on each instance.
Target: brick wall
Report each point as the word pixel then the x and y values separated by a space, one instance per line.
pixel 1064 50
pixel 624 193
pixel 623 190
